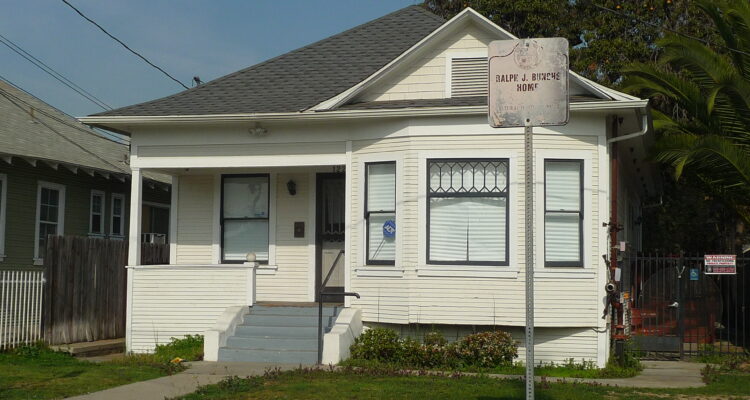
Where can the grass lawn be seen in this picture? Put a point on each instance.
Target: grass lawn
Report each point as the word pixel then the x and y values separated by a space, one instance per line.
pixel 51 375
pixel 36 372
pixel 568 370
pixel 325 385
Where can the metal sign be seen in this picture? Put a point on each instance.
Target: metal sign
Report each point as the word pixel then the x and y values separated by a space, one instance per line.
pixel 720 264
pixel 528 86
pixel 528 82
pixel 694 274
pixel 389 228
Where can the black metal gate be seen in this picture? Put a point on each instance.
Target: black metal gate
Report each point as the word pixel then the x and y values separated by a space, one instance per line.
pixel 675 308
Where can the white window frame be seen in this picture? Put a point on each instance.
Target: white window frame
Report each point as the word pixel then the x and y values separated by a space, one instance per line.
pixel 120 234
pixel 60 214
pixel 3 207
pixel 587 270
pixel 103 213
pixel 374 270
pixel 468 271
pixel 449 67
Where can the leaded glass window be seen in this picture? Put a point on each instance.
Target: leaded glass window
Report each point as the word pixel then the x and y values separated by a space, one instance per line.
pixel 467 211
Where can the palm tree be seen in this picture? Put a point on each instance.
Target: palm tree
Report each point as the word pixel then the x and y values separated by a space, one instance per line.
pixel 707 87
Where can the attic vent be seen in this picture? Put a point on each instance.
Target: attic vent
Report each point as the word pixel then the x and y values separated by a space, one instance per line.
pixel 469 76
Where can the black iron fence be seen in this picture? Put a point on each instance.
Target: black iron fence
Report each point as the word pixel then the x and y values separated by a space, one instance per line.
pixel 676 308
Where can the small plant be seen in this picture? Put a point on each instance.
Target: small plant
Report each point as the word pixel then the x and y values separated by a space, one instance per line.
pixel 189 348
pixel 487 349
pixel 380 344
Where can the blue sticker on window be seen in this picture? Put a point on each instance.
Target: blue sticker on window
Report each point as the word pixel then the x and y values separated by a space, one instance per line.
pixel 694 274
pixel 389 228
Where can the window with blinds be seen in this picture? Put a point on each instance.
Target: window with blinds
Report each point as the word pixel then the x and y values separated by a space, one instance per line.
pixel 468 76
pixel 380 212
pixel 563 213
pixel 244 217
pixel 467 211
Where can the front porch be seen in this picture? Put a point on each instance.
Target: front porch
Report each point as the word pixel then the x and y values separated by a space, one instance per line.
pixel 289 219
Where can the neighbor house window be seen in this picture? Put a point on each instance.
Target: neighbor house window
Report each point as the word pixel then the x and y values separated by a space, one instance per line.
pixel 244 217
pixel 50 212
pixel 96 213
pixel 117 223
pixel 380 212
pixel 3 202
pixel 467 211
pixel 563 213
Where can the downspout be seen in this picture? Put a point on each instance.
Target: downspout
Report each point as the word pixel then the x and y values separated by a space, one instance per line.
pixel 617 331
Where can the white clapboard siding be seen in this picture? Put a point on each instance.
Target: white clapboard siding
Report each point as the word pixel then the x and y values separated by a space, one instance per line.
pixel 195 215
pixel 174 301
pixel 424 76
pixel 290 280
pixel 411 298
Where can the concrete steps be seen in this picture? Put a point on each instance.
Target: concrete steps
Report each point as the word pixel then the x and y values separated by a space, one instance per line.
pixel 278 334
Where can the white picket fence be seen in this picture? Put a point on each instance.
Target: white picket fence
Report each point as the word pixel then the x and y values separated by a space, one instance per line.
pixel 20 306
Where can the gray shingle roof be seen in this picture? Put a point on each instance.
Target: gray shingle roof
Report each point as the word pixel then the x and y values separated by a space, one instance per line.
pixel 301 78
pixel 33 129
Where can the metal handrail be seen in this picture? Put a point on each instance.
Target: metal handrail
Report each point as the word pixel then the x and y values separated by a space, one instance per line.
pixel 321 293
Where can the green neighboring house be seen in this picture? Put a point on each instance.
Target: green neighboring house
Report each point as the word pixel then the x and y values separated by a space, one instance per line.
pixel 58 176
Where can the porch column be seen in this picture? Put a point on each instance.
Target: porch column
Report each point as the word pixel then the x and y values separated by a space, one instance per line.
pixel 136 207
pixel 173 220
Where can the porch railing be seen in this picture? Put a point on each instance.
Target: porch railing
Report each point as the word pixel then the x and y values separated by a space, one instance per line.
pixel 321 294
pixel 21 293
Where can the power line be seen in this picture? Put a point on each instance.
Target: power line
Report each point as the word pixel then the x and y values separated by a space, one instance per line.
pixel 123 44
pixel 115 139
pixel 704 41
pixel 49 70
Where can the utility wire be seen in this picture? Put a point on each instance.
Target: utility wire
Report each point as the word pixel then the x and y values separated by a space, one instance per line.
pixel 11 98
pixel 49 70
pixel 704 41
pixel 58 119
pixel 123 44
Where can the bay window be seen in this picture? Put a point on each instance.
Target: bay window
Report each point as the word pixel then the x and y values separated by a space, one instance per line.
pixel 244 217
pixel 380 212
pixel 563 213
pixel 467 211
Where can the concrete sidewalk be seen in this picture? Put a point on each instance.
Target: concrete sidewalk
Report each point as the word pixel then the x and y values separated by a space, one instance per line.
pixel 656 374
pixel 198 374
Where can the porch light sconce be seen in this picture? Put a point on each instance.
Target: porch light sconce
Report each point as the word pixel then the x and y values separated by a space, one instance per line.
pixel 291 186
pixel 257 130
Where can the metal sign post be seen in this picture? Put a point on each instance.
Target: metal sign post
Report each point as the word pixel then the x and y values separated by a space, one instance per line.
pixel 528 155
pixel 528 86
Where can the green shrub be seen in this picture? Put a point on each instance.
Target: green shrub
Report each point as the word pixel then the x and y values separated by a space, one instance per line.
pixel 487 349
pixel 189 348
pixel 381 344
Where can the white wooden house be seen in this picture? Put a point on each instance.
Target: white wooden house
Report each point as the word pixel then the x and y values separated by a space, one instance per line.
pixel 375 141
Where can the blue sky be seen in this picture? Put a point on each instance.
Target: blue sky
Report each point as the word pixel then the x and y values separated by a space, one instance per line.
pixel 185 38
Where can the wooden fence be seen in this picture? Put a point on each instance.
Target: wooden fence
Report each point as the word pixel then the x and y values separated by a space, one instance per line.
pixel 20 306
pixel 85 293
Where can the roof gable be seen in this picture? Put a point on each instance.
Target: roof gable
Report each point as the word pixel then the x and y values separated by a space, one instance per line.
pixel 423 72
pixel 301 78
